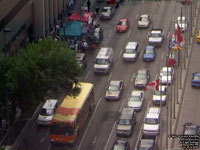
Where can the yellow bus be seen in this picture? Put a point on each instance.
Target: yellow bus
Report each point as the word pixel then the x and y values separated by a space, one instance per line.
pixel 71 115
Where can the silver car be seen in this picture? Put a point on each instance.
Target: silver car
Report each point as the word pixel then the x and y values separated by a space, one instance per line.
pixel 142 78
pixel 107 12
pixel 160 95
pixel 166 75
pixel 156 37
pixel 135 100
pixel 144 21
pixel 131 51
pixel 114 90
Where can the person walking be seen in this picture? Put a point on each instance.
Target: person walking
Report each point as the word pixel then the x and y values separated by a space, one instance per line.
pixel 88 5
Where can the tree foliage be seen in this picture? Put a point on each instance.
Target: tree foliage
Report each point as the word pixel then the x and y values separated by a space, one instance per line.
pixel 37 69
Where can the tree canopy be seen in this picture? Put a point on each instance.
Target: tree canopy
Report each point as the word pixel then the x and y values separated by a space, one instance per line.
pixel 37 69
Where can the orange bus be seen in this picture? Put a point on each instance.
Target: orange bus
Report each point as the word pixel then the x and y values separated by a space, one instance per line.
pixel 71 115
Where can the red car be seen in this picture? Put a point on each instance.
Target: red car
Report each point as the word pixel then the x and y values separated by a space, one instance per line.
pixel 122 25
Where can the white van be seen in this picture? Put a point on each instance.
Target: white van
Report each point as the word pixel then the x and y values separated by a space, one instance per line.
pixel 47 112
pixel 152 121
pixel 104 60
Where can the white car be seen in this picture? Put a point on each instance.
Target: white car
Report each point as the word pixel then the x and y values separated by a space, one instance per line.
pixel 144 21
pixel 47 112
pixel 166 75
pixel 136 100
pixel 107 12
pixel 156 37
pixel 131 51
pixel 160 95
pixel 182 22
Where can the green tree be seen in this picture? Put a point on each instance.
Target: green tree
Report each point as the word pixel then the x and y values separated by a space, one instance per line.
pixel 37 69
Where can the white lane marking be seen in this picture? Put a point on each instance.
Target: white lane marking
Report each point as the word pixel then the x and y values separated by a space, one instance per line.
pixel 110 76
pixel 142 125
pixel 122 105
pixel 87 75
pixel 129 33
pixel 133 75
pixel 136 16
pixel 105 148
pixel 94 141
pixel 154 17
pixel 141 54
pixel 46 135
pixel 89 124
pixel 162 55
pixel 168 34
pixel 120 53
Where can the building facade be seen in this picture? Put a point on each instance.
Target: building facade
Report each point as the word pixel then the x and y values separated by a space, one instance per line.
pixel 28 20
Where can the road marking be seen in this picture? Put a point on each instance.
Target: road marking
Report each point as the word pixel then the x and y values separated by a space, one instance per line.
pixel 122 105
pixel 87 75
pixel 110 76
pixel 89 123
pixel 148 34
pixel 46 135
pixel 168 34
pixel 136 16
pixel 129 33
pixel 94 141
pixel 105 148
pixel 132 77
pixel 141 55
pixel 120 53
pixel 154 17
pixel 162 55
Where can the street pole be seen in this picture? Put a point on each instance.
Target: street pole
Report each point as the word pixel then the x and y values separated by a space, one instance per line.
pixel 6 30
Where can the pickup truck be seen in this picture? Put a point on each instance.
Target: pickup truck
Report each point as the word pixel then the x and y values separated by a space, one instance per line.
pixel 147 142
pixel 156 36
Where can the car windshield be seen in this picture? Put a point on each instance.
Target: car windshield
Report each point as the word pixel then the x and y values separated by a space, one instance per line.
pixel 151 121
pixel 129 50
pixel 122 23
pixel 144 19
pixel 105 10
pixel 149 51
pixel 102 61
pixel 197 77
pixel 124 122
pixel 113 88
pixel 135 98
pixel 46 112
pixel 141 76
pixel 155 34
pixel 119 147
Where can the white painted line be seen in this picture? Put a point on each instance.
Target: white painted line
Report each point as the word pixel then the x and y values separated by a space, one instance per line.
pixel 46 135
pixel 168 34
pixel 94 141
pixel 154 17
pixel 141 55
pixel 133 75
pixel 87 75
pixel 136 16
pixel 105 148
pixel 89 124
pixel 120 53
pixel 129 33
pixel 122 105
pixel 162 55
pixel 110 76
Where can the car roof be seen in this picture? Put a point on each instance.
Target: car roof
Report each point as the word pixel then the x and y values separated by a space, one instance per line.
pixel 50 104
pixel 142 71
pixel 156 31
pixel 196 73
pixel 149 46
pixel 136 93
pixel 114 82
pixel 131 45
pixel 165 68
pixel 153 112
pixel 183 18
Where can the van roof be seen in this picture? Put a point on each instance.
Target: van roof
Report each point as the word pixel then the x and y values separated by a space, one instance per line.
pixel 104 52
pixel 131 45
pixel 50 104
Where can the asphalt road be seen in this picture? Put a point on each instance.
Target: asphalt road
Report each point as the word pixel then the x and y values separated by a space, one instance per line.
pixel 99 132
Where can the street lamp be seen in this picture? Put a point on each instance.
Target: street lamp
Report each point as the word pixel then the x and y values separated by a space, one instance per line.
pixel 6 30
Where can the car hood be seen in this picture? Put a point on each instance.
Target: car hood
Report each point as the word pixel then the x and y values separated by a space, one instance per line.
pixel 98 66
pixel 45 118
pixel 121 27
pixel 124 127
pixel 143 23
pixel 158 97
pixel 155 39
pixel 148 55
pixel 129 55
pixel 112 93
pixel 134 104
pixel 150 127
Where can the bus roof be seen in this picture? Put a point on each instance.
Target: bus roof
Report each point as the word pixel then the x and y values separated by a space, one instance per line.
pixel 71 106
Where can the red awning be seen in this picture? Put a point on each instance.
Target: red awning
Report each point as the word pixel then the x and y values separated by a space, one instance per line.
pixel 84 18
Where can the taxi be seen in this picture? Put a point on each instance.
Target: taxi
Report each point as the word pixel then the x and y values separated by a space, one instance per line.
pixel 198 36
pixel 122 25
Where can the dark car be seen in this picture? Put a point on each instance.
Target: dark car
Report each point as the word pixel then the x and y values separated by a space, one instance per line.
pixel 196 79
pixel 190 129
pixel 142 78
pixel 121 144
pixel 149 53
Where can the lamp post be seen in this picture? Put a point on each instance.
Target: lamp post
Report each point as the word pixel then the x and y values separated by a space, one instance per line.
pixel 6 30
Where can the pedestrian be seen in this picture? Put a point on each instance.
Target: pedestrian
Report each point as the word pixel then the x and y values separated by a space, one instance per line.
pixel 88 5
